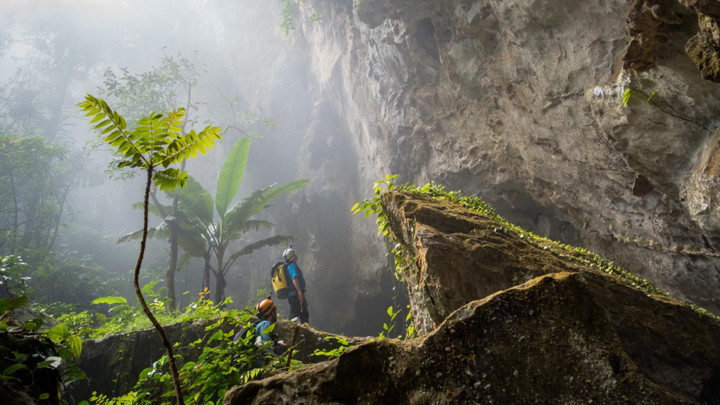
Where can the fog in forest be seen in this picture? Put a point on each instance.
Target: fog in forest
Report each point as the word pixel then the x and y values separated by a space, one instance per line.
pixel 231 64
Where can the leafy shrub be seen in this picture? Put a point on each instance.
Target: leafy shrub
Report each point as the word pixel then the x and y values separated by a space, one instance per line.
pixel 33 361
pixel 223 363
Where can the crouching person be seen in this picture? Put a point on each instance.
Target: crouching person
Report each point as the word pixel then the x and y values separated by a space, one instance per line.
pixel 266 313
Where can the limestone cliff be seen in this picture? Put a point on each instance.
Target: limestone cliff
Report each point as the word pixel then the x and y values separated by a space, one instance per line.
pixel 569 334
pixel 522 103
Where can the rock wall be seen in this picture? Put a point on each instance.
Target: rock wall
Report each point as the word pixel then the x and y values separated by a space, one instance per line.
pixel 522 103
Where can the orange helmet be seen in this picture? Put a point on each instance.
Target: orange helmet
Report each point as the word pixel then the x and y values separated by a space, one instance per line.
pixel 265 308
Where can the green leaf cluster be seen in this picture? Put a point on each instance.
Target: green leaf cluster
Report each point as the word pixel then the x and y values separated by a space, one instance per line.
pixel 25 350
pixel 36 176
pixel 342 345
pixel 122 317
pixel 157 141
pixel 223 363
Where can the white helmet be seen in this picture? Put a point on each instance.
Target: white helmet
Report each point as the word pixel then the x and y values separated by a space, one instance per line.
pixel 289 254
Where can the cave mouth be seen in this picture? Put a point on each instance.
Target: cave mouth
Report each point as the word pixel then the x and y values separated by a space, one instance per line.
pixel 642 186
pixel 371 310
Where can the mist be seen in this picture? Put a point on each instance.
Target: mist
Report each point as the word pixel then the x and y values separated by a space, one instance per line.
pixel 239 68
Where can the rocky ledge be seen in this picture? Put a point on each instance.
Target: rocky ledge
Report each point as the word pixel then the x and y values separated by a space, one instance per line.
pixel 557 331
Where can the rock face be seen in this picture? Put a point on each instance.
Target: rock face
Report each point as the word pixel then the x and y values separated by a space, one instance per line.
pixel 521 102
pixel 455 255
pixel 571 335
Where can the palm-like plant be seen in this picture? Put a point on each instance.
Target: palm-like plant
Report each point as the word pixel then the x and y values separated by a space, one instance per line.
pixel 153 146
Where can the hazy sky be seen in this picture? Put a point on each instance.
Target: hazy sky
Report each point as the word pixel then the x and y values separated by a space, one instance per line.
pixel 89 5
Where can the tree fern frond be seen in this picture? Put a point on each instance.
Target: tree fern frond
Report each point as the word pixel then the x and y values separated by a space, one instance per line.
pixel 187 146
pixel 108 121
pixel 170 178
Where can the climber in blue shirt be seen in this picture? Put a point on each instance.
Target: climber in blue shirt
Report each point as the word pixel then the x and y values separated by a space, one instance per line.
pixel 296 296
pixel 267 314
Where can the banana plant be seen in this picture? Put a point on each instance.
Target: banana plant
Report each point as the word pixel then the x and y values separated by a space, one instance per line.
pixel 218 222
pixel 154 145
pixel 208 227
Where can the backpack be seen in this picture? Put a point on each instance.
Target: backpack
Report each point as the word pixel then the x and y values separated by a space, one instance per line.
pixel 244 331
pixel 280 279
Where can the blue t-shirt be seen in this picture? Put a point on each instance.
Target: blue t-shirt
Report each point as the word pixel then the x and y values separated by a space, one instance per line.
pixel 259 329
pixel 294 271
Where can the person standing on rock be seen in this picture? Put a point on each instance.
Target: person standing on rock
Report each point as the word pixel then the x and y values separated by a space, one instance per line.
pixel 296 296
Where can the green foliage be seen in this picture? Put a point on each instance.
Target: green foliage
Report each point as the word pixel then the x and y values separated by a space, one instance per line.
pixel 626 97
pixel 634 91
pixel 231 175
pixel 25 350
pixel 409 325
pixel 390 325
pixel 66 286
pixel 158 89
pixel 223 363
pixel 122 317
pixel 342 345
pixel 110 300
pixel 374 205
pixel 35 179
pixel 53 288
pixel 156 141
pixel 13 276
pixel 82 324
pixel 201 236
pixel 478 205
pixel 290 12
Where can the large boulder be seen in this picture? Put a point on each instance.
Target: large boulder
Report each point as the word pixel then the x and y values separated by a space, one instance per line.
pixel 559 338
pixel 514 319
pixel 455 255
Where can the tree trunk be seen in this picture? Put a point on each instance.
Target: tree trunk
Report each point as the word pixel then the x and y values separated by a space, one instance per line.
pixel 219 287
pixel 206 273
pixel 173 241
pixel 172 263
pixel 141 299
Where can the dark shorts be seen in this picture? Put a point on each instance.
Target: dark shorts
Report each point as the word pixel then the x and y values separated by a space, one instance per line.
pixel 294 302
